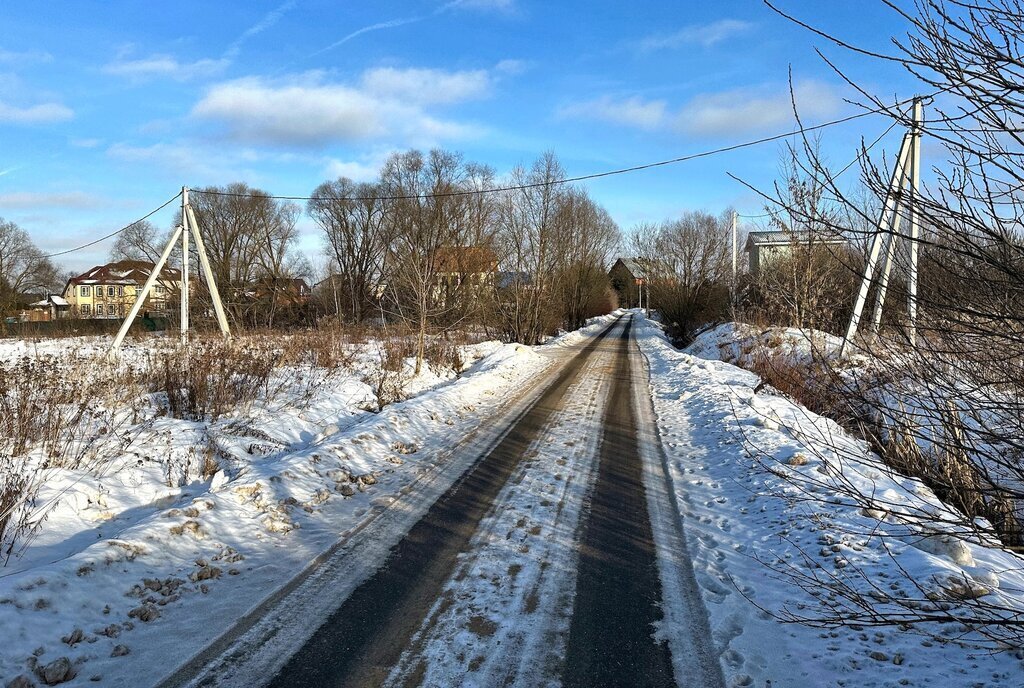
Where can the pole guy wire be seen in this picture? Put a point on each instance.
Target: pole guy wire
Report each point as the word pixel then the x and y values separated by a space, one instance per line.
pixel 113 234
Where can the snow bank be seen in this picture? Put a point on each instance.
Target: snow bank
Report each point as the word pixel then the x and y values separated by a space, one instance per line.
pixel 772 494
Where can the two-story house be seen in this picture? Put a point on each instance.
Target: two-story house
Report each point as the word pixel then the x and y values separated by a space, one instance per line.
pixel 108 291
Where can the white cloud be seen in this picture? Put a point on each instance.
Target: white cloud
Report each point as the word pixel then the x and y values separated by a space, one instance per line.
pixel 425 86
pixel 755 110
pixel 737 111
pixel 703 34
pixel 164 66
pixel 35 114
pixel 354 170
pixel 632 112
pixel 77 200
pixel 308 111
pixel 511 67
pixel 10 57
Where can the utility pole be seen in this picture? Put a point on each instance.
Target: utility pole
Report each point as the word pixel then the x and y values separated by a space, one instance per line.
pixel 188 224
pixel 915 228
pixel 735 221
pixel 184 268
pixel 883 244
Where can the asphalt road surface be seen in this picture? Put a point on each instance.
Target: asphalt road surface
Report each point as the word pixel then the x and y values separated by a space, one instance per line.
pixel 537 567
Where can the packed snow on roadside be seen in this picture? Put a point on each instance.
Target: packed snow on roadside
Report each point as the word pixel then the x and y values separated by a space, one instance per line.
pixel 592 327
pixel 890 386
pixel 134 571
pixel 764 487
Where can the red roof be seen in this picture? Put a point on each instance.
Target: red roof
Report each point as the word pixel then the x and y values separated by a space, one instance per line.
pixel 466 259
pixel 124 272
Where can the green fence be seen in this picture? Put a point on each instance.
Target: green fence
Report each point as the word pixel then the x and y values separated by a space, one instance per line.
pixel 73 327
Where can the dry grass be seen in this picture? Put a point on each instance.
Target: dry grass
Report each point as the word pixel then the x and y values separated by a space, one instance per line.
pixel 73 410
pixel 947 464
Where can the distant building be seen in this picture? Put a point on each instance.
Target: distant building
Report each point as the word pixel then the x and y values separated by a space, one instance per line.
pixel 51 308
pixel 108 291
pixel 762 248
pixel 462 268
pixel 628 275
pixel 514 280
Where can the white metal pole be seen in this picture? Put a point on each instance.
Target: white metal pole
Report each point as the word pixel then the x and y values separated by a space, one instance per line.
pixel 915 229
pixel 735 217
pixel 140 297
pixel 890 256
pixel 876 244
pixel 211 283
pixel 185 292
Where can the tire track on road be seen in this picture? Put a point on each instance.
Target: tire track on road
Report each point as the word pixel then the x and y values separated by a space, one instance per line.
pixel 361 641
pixel 618 587
pixel 503 618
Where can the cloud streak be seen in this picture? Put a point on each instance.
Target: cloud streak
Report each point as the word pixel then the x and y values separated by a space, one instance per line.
pixel 756 110
pixel 705 35
pixel 75 200
pixel 167 66
pixel 268 21
pixel 380 26
pixel 750 110
pixel 631 112
pixel 478 5
pixel 42 113
pixel 11 57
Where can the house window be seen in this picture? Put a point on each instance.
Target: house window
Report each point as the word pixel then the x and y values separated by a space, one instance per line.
pixel 159 289
pixel 85 307
pixel 84 291
pixel 120 291
pixel 110 291
pixel 111 309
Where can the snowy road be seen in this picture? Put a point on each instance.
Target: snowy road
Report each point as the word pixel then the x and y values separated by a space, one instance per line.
pixel 538 566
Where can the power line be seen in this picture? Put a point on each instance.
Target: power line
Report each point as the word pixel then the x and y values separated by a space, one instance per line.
pixel 112 234
pixel 567 180
pixel 521 187
pixel 840 172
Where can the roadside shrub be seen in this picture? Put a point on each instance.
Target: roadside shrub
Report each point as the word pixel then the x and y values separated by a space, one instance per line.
pixel 210 378
pixel 444 355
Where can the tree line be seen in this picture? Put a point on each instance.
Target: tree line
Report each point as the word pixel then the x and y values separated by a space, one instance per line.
pixel 420 245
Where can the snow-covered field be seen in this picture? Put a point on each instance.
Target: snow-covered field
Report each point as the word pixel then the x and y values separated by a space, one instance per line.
pixel 766 493
pixel 135 569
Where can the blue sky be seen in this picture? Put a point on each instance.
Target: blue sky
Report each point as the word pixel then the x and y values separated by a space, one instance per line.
pixel 108 107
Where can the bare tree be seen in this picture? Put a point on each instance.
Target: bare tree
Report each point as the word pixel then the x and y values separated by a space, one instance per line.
pixel 140 241
pixel 586 237
pixel 23 267
pixel 352 217
pixel 249 238
pixel 424 220
pixel 529 250
pixel 946 407
pixel 688 268
pixel 810 281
